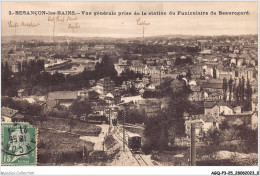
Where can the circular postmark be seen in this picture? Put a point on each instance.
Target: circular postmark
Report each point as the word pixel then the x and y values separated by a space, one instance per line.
pixel 19 142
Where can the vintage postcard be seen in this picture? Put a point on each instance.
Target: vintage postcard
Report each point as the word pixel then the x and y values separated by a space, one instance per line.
pixel 129 84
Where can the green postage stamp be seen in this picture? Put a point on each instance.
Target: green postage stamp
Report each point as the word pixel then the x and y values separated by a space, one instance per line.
pixel 19 144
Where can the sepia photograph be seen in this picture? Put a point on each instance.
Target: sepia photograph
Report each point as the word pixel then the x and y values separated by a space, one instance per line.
pixel 129 84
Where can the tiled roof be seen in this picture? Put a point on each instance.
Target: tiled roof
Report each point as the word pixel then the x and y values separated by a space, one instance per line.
pixel 109 95
pixel 209 104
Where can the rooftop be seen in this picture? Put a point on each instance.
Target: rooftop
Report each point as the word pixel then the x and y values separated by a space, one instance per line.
pixel 21 90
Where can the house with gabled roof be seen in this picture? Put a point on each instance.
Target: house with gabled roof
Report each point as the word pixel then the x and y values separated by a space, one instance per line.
pixel 225 109
pixel 216 109
pixel 11 115
pixel 63 97
pixel 211 108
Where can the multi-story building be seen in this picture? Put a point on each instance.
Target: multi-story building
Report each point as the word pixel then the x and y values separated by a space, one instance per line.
pixel 105 85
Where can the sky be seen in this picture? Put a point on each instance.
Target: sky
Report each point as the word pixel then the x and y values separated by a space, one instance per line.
pixel 126 26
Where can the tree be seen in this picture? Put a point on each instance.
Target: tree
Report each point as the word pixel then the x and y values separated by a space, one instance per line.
pixel 37 90
pixel 242 89
pixel 230 85
pixel 133 91
pixel 237 93
pixel 224 86
pixel 214 137
pixel 23 107
pixel 6 78
pixel 179 104
pixel 214 73
pixel 224 125
pixel 80 108
pixel 130 75
pixel 93 95
pixel 248 95
pixel 134 116
pixel 161 129
pixel 248 137
pixel 156 132
pixel 19 65
pixel 72 123
pixel 43 117
pixel 105 68
pixel 150 94
pixel 189 74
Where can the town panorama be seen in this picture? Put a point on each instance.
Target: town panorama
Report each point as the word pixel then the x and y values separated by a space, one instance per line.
pixel 132 102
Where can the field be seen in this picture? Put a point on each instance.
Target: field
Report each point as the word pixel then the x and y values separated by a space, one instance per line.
pixel 56 145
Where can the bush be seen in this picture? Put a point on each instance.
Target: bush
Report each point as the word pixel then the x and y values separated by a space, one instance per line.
pixel 58 113
pixel 147 148
pixel 62 156
pixel 98 156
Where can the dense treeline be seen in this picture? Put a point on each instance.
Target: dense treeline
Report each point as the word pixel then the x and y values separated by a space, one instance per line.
pixel 27 70
pixel 24 107
pixel 32 77
pixel 128 75
pixel 242 92
pixel 161 130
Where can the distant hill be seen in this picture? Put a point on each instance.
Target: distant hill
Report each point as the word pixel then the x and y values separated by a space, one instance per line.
pixel 54 39
pixel 107 39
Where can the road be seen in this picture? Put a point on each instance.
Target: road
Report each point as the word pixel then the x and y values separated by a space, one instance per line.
pixel 97 140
